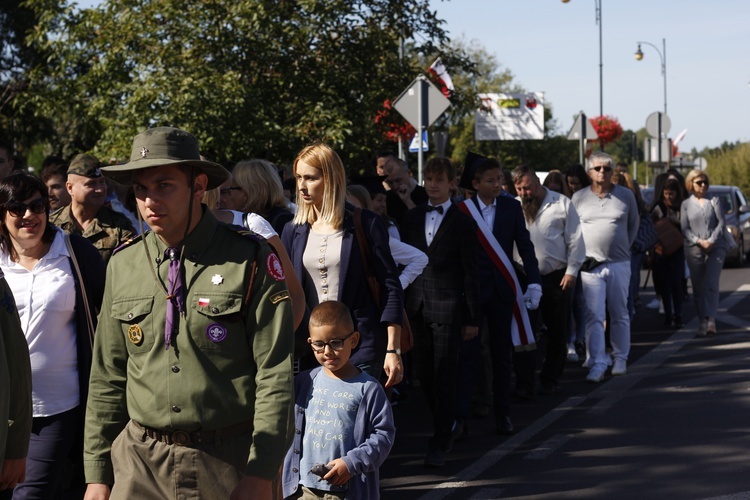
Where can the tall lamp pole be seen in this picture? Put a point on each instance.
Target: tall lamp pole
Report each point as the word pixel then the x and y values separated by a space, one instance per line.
pixel 663 56
pixel 598 8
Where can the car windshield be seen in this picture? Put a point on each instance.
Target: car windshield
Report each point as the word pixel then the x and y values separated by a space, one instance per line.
pixel 725 199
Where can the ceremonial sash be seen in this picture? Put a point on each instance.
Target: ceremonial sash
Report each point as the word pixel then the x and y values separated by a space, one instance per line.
pixel 520 328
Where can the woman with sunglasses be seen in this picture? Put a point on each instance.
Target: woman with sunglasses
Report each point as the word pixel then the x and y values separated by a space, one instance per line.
pixel 47 281
pixel 703 227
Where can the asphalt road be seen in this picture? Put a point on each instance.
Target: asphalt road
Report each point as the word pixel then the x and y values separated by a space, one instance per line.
pixel 676 426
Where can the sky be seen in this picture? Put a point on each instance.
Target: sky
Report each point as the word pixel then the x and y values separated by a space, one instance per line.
pixel 553 47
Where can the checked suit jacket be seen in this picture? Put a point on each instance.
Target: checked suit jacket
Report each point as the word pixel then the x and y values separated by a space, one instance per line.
pixel 447 291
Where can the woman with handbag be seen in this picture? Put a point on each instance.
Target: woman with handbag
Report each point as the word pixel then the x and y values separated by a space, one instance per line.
pixel 323 246
pixel 57 282
pixel 669 255
pixel 702 222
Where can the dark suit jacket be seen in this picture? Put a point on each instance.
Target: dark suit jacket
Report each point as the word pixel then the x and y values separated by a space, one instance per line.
pixel 369 321
pixel 509 228
pixel 397 209
pixel 448 289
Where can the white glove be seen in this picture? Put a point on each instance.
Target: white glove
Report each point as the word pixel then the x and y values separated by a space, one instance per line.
pixel 532 296
pixel 259 226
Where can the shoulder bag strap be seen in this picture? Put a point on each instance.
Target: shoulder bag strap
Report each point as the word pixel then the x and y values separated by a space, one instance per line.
pixel 364 251
pixel 87 309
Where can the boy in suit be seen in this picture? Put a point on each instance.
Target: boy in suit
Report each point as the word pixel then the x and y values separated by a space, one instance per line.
pixel 498 295
pixel 442 303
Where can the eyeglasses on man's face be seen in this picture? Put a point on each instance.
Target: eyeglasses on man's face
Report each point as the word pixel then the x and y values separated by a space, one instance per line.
pixel 335 344
pixel 599 168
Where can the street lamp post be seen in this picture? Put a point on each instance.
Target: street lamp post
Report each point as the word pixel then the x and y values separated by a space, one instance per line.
pixel 598 8
pixel 663 55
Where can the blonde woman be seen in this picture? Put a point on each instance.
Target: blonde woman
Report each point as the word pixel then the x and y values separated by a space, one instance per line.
pixel 256 187
pixel 702 223
pixel 323 247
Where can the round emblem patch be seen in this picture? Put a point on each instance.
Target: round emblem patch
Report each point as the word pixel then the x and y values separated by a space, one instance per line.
pixel 273 266
pixel 135 334
pixel 216 332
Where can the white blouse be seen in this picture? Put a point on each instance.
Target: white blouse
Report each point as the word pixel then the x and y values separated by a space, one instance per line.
pixel 322 259
pixel 45 298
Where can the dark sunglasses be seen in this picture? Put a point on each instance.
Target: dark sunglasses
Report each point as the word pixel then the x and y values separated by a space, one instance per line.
pixel 18 209
pixel 701 183
pixel 335 344
pixel 599 169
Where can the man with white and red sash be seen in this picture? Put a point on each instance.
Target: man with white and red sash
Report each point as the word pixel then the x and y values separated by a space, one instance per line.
pixel 503 302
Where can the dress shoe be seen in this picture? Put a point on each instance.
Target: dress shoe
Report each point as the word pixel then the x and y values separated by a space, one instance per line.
pixel 504 425
pixel 677 322
pixel 460 429
pixel 711 327
pixel 547 388
pixel 435 458
pixel 522 394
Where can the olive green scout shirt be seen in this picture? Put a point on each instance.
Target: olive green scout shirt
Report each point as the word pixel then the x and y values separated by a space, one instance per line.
pixel 109 230
pixel 198 383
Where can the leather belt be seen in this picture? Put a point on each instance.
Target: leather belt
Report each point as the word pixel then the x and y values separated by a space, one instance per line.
pixel 185 438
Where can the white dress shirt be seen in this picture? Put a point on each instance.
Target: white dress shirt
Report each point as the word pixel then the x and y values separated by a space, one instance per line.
pixel 412 258
pixel 488 211
pixel 433 219
pixel 557 236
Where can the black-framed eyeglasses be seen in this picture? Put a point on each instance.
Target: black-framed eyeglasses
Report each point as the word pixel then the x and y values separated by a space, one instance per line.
pixel 599 168
pixel 335 344
pixel 18 209
pixel 701 183
pixel 229 190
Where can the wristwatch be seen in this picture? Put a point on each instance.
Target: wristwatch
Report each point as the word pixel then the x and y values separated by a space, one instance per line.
pixel 393 351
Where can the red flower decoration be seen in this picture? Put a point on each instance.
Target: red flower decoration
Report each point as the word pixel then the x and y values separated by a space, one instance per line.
pixel 607 127
pixel 392 125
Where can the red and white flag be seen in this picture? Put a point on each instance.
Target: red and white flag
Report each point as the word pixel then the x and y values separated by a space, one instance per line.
pixel 438 69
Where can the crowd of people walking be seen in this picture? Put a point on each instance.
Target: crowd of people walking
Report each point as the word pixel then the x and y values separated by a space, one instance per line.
pixel 195 331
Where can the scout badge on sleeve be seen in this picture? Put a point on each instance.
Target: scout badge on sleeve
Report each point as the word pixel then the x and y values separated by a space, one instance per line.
pixel 216 332
pixel 273 266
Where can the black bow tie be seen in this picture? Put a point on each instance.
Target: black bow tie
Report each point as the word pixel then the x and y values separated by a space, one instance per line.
pixel 439 209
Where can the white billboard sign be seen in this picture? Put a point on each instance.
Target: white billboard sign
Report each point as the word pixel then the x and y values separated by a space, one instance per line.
pixel 510 117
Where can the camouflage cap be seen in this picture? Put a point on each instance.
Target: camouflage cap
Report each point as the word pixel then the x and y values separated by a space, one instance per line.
pixel 86 165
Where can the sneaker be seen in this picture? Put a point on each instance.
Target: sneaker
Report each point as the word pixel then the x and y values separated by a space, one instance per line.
pixel 711 327
pixel 661 308
pixel 654 304
pixel 596 374
pixel 702 328
pixel 620 367
pixel 572 354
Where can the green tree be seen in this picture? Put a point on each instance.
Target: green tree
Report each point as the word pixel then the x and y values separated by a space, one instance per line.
pixel 247 77
pixel 730 164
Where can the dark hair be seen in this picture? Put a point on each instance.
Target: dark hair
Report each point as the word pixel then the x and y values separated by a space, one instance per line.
pixel 52 160
pixel 439 165
pixel 579 172
pixel 508 179
pixel 20 186
pixel 53 169
pixel 331 313
pixel 485 166
pixel 667 185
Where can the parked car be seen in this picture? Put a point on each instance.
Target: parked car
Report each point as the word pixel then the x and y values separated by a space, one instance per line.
pixel 736 217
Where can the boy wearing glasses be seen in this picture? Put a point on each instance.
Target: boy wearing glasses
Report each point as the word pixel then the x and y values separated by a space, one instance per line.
pixel 342 418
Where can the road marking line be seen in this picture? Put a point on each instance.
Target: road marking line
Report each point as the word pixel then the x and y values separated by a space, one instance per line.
pixel 548 447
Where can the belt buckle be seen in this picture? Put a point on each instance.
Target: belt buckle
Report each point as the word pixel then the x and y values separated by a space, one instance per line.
pixel 181 438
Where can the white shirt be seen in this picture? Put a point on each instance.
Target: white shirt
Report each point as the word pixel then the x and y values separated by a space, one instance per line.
pixel 45 298
pixel 557 236
pixel 488 211
pixel 322 259
pixel 414 259
pixel 432 221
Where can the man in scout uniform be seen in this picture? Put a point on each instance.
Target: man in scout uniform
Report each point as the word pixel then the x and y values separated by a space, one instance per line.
pixel 87 215
pixel 192 368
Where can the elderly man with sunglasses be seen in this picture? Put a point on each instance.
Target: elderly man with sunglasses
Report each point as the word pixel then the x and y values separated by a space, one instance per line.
pixel 609 222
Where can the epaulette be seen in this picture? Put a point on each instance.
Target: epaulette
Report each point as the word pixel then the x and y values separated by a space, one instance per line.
pixel 242 231
pixel 128 243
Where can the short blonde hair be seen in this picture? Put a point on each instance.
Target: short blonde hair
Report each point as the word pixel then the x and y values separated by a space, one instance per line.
pixel 260 181
pixel 692 176
pixel 362 195
pixel 325 159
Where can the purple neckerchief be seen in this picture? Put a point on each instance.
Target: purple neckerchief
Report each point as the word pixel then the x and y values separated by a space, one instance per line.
pixel 175 295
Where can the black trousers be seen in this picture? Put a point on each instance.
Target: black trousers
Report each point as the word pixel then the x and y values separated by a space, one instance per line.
pixel 435 357
pixel 555 309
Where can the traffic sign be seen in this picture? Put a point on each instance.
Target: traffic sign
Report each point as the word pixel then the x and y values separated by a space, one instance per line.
pixel 414 145
pixel 578 132
pixel 652 124
pixel 407 104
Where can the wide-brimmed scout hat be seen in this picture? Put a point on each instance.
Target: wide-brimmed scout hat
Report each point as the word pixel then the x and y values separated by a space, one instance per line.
pixel 161 146
pixel 86 165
